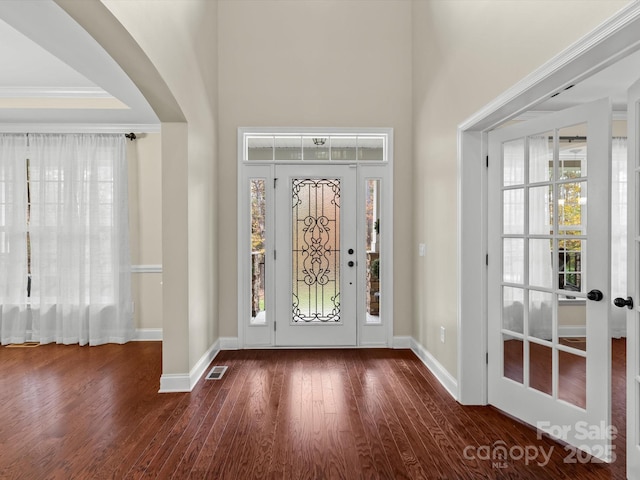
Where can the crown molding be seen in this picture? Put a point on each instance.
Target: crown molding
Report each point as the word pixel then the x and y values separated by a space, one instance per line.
pixel 79 128
pixel 53 92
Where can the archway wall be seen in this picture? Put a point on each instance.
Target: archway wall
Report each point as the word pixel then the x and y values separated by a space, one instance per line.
pixel 169 50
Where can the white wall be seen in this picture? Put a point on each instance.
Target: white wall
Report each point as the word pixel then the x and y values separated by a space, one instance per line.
pixel 330 63
pixel 465 53
pixel 180 39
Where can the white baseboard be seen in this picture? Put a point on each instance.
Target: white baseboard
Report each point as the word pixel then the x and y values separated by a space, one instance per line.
pixel 229 343
pixel 435 367
pixel 147 335
pixel 402 342
pixel 572 331
pixel 182 382
pixel 174 383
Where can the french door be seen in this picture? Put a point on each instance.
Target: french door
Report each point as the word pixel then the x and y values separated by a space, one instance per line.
pixel 316 259
pixel 633 284
pixel 549 276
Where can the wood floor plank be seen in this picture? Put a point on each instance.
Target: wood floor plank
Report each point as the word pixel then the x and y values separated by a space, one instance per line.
pixel 215 449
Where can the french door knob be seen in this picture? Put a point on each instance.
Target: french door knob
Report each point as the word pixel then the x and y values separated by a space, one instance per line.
pixel 351 264
pixel 351 251
pixel 595 295
pixel 621 302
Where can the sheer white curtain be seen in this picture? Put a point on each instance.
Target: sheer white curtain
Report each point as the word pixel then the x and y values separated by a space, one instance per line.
pixel 619 234
pixel 79 229
pixel 13 239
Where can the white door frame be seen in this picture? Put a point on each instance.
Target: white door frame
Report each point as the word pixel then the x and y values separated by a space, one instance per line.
pixel 611 41
pixel 368 334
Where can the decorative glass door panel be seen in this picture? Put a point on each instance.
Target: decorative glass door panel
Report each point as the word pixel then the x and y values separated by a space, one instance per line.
pixel 549 343
pixel 315 255
pixel 316 250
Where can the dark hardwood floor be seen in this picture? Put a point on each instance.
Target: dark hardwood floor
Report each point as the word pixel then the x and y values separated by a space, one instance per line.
pixel 94 413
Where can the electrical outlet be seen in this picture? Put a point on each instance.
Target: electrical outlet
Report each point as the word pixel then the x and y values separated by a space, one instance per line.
pixel 442 334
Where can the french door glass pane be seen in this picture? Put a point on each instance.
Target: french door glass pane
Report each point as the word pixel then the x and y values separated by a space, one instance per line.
pixel 513 260
pixel 513 358
pixel 316 250
pixel 570 256
pixel 513 162
pixel 513 309
pixel 572 161
pixel 572 378
pixel 572 317
pixel 540 210
pixel 572 203
pixel 513 211
pixel 540 367
pixel 541 158
pixel 541 315
pixel 540 263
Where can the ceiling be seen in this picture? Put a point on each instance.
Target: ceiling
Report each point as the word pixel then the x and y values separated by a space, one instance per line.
pixel 54 72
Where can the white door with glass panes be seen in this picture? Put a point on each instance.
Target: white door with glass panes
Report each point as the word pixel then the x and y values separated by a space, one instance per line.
pixel 549 356
pixel 315 237
pixel 630 301
pixel 316 258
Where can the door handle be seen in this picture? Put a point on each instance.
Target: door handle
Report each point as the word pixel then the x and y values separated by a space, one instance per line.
pixel 595 295
pixel 351 263
pixel 621 302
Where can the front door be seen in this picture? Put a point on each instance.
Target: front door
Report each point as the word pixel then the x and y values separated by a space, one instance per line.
pixel 549 274
pixel 316 259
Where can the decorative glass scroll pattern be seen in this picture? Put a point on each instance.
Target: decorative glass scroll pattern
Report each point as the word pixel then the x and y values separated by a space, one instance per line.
pixel 316 250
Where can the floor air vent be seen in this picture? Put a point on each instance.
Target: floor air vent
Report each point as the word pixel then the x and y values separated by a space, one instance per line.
pixel 216 373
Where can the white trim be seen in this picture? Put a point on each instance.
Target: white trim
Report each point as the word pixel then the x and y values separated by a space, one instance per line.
pixel 402 341
pixel 531 114
pixel 174 383
pixel 572 331
pixel 146 268
pixel 79 128
pixel 442 374
pixel 608 43
pixel 229 343
pixel 54 92
pixel 147 335
pixel 182 382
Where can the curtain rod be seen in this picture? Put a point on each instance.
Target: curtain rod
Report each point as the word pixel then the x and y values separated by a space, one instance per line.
pixel 131 136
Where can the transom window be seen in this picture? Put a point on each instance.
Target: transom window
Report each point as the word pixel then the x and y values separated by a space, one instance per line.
pixel 316 147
